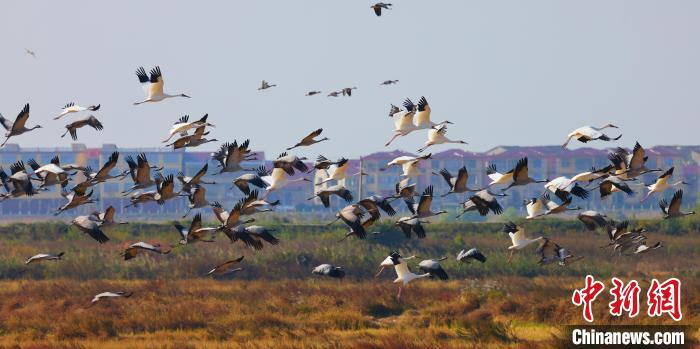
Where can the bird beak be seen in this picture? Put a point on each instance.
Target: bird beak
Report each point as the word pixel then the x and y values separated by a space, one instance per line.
pixel 380 271
pixel 184 95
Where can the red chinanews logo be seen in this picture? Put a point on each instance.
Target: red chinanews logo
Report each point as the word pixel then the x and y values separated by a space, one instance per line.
pixel 662 298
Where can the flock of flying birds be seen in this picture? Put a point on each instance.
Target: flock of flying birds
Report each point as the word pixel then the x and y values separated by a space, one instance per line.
pixel 256 184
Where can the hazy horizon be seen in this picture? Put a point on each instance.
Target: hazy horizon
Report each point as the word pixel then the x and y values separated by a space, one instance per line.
pixel 506 73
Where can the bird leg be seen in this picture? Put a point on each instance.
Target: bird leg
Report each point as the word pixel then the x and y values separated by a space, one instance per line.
pixel 398 295
pixel 396 135
pixel 378 273
pixel 188 212
pixel 510 257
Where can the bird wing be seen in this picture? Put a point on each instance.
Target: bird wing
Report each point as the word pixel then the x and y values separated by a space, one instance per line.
pixel 638 157
pixel 21 118
pixel 197 177
pixel 109 165
pixel 143 171
pixel 7 124
pixel 462 178
pixel 423 113
pixel 196 223
pixel 109 214
pixel 403 122
pixel 447 176
pixel 233 216
pixel 94 123
pixel 157 83
pixel 311 136
pixel 98 234
pixel 675 206
pixel 521 171
pixel 425 200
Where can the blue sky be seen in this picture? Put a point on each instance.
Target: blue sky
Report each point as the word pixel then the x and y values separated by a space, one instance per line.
pixel 505 72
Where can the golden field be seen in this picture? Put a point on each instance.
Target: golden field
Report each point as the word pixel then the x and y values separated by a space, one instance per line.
pixel 277 303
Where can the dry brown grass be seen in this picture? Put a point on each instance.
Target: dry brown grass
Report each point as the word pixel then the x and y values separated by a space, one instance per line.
pixel 317 313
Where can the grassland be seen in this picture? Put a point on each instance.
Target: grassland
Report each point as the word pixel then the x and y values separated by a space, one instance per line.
pixel 276 303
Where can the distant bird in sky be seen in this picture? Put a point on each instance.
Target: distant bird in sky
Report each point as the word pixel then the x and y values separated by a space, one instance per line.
pixel 183 124
pixel 674 209
pixel 551 252
pixel 335 94
pixel 389 82
pixel 662 183
pixel 459 184
pixel 401 160
pixel 30 52
pixel 20 180
pixel 518 238
pixel 436 135
pixel 188 183
pixel 18 127
pixel 630 166
pixel 410 225
pixel 521 175
pixel 244 181
pixel 140 171
pixel 103 174
pixel 347 91
pixel 254 235
pixel 90 226
pixel 498 178
pixel 422 209
pixel 73 127
pixel 44 257
pixel 106 218
pixel 593 174
pixel 153 86
pixel 612 184
pixel 74 108
pixel 374 203
pixel 483 201
pixel 106 295
pixel 352 215
pixel 592 219
pixel 325 194
pixel 197 200
pixel 226 267
pixel 339 172
pixel 403 273
pixel 264 85
pixel 433 267
pixel 404 122
pixel 277 179
pixel 312 93
pixel 323 164
pixel 51 173
pixel 252 205
pixel 473 253
pixel 231 155
pixel 329 270
pixel 586 134
pixel 310 139
pixel 379 6
pixel 133 250
pixel 563 186
pixel 75 199
pixel 193 140
pixel 195 232
pixel 554 208
pixel 290 162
